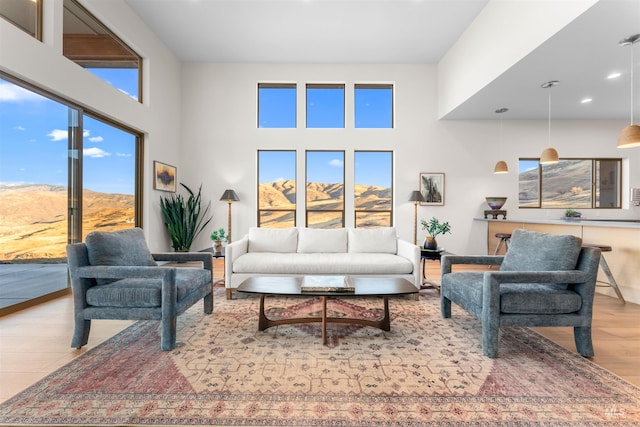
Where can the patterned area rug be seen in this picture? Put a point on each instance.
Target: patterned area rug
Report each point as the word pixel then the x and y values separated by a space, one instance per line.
pixel 425 371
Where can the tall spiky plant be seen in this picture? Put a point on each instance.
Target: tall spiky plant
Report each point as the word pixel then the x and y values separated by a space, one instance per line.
pixel 184 218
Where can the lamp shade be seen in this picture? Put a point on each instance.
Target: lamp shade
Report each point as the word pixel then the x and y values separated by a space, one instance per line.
pixel 549 155
pixel 501 167
pixel 416 196
pixel 230 195
pixel 629 137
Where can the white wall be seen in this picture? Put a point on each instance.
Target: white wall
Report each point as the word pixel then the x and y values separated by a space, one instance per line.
pixel 220 139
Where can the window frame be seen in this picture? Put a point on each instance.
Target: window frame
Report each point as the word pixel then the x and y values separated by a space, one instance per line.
pixel 341 86
pixel 594 184
pixel 295 205
pixel 306 184
pixel 37 33
pixel 389 211
pixel 86 60
pixel 373 86
pixel 293 86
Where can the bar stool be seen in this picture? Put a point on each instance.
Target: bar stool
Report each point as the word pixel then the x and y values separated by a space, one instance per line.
pixel 606 269
pixel 504 240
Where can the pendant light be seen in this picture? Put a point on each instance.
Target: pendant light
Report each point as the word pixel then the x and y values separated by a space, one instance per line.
pixel 501 166
pixel 549 155
pixel 630 135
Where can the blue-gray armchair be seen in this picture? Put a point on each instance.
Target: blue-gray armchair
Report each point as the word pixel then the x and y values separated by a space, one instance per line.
pixel 115 276
pixel 543 280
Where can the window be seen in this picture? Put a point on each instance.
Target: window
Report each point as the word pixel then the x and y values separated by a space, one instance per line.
pixel 40 165
pixel 325 189
pixel 276 105
pixel 276 189
pixel 325 106
pixel 373 106
pixel 90 44
pixel 570 184
pixel 373 195
pixel 26 15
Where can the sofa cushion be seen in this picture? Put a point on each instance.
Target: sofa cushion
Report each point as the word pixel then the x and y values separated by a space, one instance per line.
pixel 140 292
pixel 372 240
pixel 316 240
pixel 273 239
pixel 331 263
pixel 534 251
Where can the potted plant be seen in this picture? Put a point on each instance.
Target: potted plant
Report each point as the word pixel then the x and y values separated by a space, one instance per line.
pixel 218 236
pixel 570 214
pixel 184 218
pixel 434 227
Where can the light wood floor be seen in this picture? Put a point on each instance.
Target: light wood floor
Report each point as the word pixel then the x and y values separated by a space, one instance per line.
pixel 35 342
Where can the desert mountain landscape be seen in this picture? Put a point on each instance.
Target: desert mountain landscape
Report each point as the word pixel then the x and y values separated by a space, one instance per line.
pixel 33 220
pixel 567 185
pixel 281 195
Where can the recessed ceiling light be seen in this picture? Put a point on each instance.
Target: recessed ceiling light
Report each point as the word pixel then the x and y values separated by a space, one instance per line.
pixel 586 100
pixel 614 75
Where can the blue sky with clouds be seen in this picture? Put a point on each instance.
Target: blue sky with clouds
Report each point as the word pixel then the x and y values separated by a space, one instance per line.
pixel 34 133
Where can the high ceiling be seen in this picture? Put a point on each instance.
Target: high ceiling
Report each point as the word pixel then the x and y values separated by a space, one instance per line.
pixel 580 56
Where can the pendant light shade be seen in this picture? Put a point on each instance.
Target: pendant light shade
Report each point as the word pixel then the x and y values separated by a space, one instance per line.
pixel 549 155
pixel 501 165
pixel 630 135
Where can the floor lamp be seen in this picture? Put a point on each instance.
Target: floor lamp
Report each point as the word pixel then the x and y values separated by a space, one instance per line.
pixel 416 197
pixel 230 196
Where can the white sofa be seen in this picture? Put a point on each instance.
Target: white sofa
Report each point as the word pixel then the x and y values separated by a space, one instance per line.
pixel 358 252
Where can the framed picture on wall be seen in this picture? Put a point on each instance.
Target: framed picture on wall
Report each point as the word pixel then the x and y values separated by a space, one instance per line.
pixel 432 188
pixel 164 177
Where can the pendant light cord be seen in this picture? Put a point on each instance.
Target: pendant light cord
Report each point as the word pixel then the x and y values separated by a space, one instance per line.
pixel 549 130
pixel 631 75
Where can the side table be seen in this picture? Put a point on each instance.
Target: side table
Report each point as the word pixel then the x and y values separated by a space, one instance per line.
pixel 430 255
pixel 216 280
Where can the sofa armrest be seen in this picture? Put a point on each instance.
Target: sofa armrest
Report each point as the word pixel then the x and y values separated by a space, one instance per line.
pixel 412 253
pixel 232 252
pixel 204 257
pixel 447 261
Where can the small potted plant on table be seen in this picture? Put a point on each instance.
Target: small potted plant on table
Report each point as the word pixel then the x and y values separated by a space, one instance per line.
pixel 434 227
pixel 218 236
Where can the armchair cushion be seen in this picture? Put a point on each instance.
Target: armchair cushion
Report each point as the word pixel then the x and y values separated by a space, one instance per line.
pixel 534 251
pixel 118 248
pixel 515 298
pixel 143 292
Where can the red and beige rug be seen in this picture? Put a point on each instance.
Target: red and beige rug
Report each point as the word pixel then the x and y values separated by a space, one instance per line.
pixel 425 371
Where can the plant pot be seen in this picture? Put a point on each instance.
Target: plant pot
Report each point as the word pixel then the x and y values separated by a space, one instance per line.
pixel 430 243
pixel 217 246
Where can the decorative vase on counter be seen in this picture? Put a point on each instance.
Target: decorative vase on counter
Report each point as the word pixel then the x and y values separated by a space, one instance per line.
pixel 430 243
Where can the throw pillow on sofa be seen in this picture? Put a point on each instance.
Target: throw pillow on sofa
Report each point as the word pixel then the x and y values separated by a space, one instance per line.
pixel 373 240
pixel 314 240
pixel 273 239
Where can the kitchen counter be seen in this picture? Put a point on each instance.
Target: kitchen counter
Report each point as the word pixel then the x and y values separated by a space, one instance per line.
pixel 626 223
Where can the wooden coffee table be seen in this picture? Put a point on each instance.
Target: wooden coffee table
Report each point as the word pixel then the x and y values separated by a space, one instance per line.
pixel 364 286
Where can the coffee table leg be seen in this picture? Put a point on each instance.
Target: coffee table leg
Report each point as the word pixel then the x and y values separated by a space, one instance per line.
pixel 324 320
pixel 385 322
pixel 263 322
